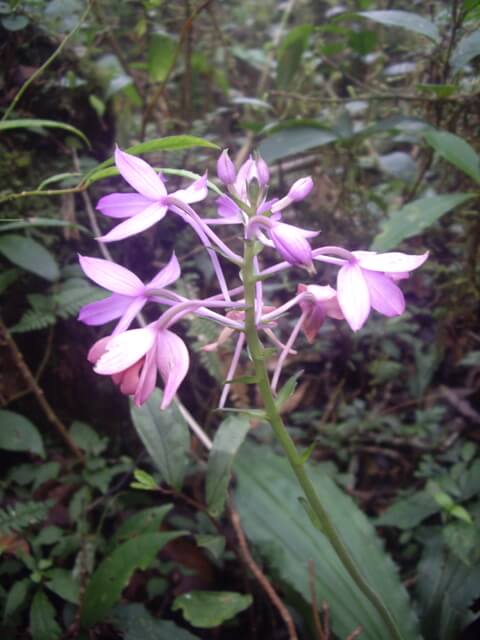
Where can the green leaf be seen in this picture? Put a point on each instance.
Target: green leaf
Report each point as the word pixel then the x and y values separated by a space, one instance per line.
pixel 291 141
pixel 114 573
pixel 275 521
pixel 228 438
pixel 207 609
pixel 407 513
pixel 8 277
pixel 145 521
pixel 214 544
pixel 456 151
pixel 446 588
pixel 168 143
pixel 136 623
pixel 17 597
pixel 37 125
pixel 165 435
pixel 27 223
pixel 290 52
pixel 29 255
pixel 43 625
pixel 143 481
pixel 22 515
pixel 162 49
pixel 63 584
pixel 467 49
pixel 413 218
pixel 463 540
pixel 287 390
pixel 405 20
pixel 17 433
pixel 86 438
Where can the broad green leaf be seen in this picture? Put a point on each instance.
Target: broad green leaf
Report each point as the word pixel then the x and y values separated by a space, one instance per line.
pixel 407 513
pixel 43 625
pixel 467 49
pixel 8 277
pixel 145 521
pixel 227 440
pixel 114 573
pixel 165 435
pixel 406 20
pixel 144 481
pixel 169 143
pixel 17 597
pixel 35 124
pixel 290 52
pixel 161 55
pixel 63 583
pixel 207 609
pixel 296 139
pixel 29 255
pixel 17 433
pixel 456 151
pixel 136 623
pixel 446 588
pixel 267 498
pixel 413 218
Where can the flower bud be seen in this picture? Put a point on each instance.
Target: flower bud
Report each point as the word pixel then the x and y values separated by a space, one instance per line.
pixel 263 172
pixel 225 168
pixel 300 189
pixel 291 243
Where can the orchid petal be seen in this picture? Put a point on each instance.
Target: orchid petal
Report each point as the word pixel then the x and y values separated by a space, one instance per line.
pixel 385 296
pixel 130 227
pixel 111 276
pixel 103 311
pixel 98 349
pixel 123 350
pixel 353 296
pixel 194 193
pixel 173 361
pixel 140 175
pixel 122 205
pixel 227 208
pixel 129 379
pixel 394 262
pixel 170 272
pixel 148 378
pixel 136 305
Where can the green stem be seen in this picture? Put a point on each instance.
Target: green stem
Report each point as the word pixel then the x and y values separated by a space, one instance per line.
pixel 328 528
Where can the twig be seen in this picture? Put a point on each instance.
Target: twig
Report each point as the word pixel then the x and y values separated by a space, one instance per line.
pixel 258 573
pixel 47 63
pixel 356 633
pixel 38 392
pixel 187 25
pixel 317 623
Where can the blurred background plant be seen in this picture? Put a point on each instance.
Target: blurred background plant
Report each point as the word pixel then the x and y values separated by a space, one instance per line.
pixel 378 101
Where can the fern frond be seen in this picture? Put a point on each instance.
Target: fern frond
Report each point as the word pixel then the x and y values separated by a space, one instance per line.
pixel 22 515
pixel 33 321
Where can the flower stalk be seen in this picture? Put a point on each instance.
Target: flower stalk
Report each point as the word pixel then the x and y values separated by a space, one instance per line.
pixel 257 353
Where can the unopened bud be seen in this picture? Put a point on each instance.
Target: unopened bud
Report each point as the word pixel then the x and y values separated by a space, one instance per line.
pixel 226 169
pixel 300 189
pixel 263 172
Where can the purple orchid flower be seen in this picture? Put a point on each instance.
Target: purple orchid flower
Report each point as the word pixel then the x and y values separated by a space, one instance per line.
pixel 149 205
pixel 129 294
pixel 134 357
pixel 318 303
pixel 367 280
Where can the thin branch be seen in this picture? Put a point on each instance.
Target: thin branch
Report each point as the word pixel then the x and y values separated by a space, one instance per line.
pixel 46 64
pixel 317 623
pixel 258 573
pixel 38 392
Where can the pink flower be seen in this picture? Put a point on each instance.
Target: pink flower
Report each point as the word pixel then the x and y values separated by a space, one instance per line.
pixel 129 294
pixel 149 205
pixel 133 358
pixel 318 303
pixel 368 281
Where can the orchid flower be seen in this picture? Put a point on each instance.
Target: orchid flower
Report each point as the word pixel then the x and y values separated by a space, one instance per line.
pixel 134 357
pixel 149 205
pixel 318 303
pixel 367 280
pixel 129 294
